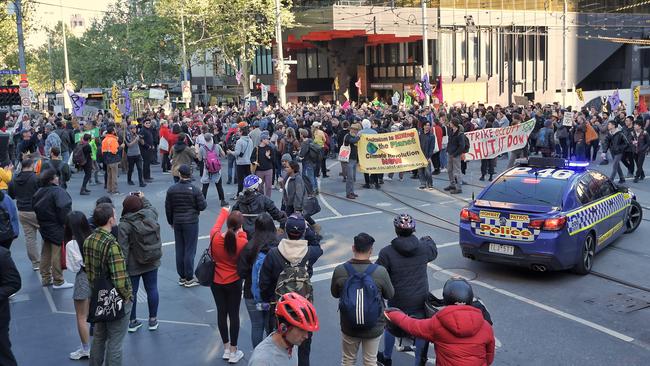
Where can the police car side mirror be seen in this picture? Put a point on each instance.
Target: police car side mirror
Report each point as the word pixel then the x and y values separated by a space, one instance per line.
pixel 622 189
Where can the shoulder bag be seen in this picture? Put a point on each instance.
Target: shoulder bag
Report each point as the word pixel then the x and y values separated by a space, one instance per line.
pixel 106 303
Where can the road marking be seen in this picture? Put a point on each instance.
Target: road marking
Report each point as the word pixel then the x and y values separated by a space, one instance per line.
pixel 425 205
pixel 179 322
pixel 400 208
pixel 331 165
pixel 326 204
pixel 446 202
pixel 50 301
pixel 173 242
pixel 539 305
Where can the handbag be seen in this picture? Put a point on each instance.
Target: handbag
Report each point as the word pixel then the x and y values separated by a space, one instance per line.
pixel 106 303
pixel 163 144
pixel 256 163
pixel 311 206
pixel 204 271
pixel 344 153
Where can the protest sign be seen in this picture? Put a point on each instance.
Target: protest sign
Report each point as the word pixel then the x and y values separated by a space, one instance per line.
pixel 489 143
pixel 568 119
pixel 390 152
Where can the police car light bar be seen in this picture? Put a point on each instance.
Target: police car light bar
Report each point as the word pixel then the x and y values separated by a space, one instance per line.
pixel 578 164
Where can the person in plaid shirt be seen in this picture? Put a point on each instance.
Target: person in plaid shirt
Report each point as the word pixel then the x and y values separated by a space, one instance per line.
pixel 108 336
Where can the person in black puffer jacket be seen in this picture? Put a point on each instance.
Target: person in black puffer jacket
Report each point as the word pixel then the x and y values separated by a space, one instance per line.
pixel 22 189
pixel 252 203
pixel 406 260
pixel 52 205
pixel 183 204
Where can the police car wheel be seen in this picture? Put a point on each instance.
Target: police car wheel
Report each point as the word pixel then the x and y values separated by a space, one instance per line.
pixel 587 253
pixel 634 217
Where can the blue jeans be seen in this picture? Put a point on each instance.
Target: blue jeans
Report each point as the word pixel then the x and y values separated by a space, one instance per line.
pixel 65 155
pixel 308 170
pixel 443 158
pixel 186 237
pixel 389 345
pixel 150 280
pixel 350 176
pixel 259 322
pixel 231 168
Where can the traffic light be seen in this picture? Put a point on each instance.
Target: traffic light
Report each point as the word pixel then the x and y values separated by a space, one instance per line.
pixel 9 96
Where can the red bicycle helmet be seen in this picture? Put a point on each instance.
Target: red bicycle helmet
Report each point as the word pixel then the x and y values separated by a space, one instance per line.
pixel 297 311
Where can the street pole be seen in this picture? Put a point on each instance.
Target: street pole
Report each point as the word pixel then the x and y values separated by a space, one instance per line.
pixel 67 103
pixel 21 39
pixel 425 47
pixel 205 77
pixel 184 68
pixel 49 54
pixel 282 80
pixel 564 35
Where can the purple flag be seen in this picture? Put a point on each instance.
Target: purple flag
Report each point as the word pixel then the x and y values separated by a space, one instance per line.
pixel 426 84
pixel 78 103
pixel 239 75
pixel 419 92
pixel 614 100
pixel 127 102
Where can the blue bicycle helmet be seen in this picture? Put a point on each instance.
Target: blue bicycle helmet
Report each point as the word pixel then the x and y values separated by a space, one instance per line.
pixel 252 182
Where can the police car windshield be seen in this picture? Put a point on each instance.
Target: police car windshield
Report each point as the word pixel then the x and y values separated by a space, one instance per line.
pixel 528 188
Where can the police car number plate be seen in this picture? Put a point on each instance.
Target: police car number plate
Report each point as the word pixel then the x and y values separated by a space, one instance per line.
pixel 501 249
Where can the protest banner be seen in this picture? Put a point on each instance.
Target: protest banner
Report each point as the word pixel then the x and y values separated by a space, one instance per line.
pixel 568 119
pixel 390 152
pixel 489 143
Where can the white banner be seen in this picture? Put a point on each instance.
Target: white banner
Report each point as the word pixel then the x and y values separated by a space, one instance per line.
pixel 568 119
pixel 489 143
pixel 157 94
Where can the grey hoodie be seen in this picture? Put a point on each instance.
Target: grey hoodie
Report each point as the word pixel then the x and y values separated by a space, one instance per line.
pixel 293 250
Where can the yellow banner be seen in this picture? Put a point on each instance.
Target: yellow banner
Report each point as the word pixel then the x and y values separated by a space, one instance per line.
pixel 391 152
pixel 114 100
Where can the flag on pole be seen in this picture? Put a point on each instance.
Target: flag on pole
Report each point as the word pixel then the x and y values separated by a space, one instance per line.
pixel 127 102
pixel 239 75
pixel 265 92
pixel 437 90
pixel 346 105
pixel 347 94
pixel 643 108
pixel 426 84
pixel 407 100
pixel 358 85
pixel 580 94
pixel 78 103
pixel 114 104
pixel 336 83
pixel 419 92
pixel 614 100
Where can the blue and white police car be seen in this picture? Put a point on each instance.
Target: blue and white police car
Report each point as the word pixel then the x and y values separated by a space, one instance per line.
pixel 547 214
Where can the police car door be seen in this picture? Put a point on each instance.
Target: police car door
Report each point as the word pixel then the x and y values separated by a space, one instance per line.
pixel 608 209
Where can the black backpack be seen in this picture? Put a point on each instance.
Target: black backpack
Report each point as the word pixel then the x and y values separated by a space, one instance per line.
pixel 466 149
pixel 314 152
pixel 78 156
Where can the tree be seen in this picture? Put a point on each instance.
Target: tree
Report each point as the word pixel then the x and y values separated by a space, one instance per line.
pixel 236 27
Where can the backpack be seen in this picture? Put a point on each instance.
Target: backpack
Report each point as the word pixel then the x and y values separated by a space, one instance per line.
pixel 231 141
pixel 466 149
pixel 295 279
pixel 6 229
pixel 147 246
pixel 78 156
pixel 314 151
pixel 360 303
pixel 255 277
pixel 542 138
pixel 212 162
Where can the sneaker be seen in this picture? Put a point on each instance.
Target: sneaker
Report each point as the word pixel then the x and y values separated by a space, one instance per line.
pixel 388 179
pixel 62 286
pixel 456 191
pixel 482 178
pixel 130 183
pixel 79 354
pixel 448 188
pixel 443 170
pixel 153 324
pixel 226 354
pixel 181 282
pixel 142 185
pixel 84 193
pixel 435 172
pixel 191 283
pixel 224 203
pixel 401 179
pixel 234 358
pixel 35 267
pixel 422 187
pixel 366 186
pixel 166 173
pixel 621 181
pixel 134 325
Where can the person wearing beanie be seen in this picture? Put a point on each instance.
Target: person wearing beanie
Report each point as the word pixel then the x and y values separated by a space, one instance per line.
pixel 262 160
pixel 300 248
pixel 352 336
pixel 183 204
pixel 139 222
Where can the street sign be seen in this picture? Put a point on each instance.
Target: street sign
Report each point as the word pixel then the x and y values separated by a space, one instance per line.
pixel 9 72
pixel 23 84
pixel 26 102
pixel 291 62
pixel 187 90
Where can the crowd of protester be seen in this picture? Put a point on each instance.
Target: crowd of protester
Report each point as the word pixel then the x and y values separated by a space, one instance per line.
pixel 284 149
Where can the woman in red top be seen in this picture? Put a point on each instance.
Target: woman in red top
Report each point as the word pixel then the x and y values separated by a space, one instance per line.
pixel 226 287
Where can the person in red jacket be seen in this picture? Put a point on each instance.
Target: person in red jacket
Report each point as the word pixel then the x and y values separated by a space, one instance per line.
pixel 226 286
pixel 462 337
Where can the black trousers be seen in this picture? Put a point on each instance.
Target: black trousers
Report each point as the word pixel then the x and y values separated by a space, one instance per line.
pixel 6 356
pixel 219 189
pixel 371 178
pixel 640 159
pixel 242 172
pixel 227 298
pixel 487 166
pixel 435 159
pixel 88 172
pixel 137 162
pixel 166 164
pixel 628 161
pixel 147 159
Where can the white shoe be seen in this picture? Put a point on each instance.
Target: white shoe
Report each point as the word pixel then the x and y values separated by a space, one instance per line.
pixel 62 286
pixel 191 283
pixel 388 179
pixel 79 354
pixel 235 357
pixel 443 170
pixel 226 354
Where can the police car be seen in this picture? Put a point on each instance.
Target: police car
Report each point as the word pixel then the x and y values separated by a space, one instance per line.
pixel 547 214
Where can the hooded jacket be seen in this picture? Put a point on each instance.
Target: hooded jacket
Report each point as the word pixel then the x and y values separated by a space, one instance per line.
pixel 253 203
pixel 288 251
pixel 181 154
pixel 406 260
pixel 126 238
pixel 462 337
pixel 52 204
pixel 8 205
pixel 22 189
pixel 616 142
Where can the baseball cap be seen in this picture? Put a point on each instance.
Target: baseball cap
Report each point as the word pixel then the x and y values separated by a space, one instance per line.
pixel 185 171
pixel 295 225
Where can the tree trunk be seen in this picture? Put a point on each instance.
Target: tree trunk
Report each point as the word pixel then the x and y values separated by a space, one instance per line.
pixel 245 79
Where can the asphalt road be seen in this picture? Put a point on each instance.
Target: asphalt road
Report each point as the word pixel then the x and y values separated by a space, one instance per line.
pixel 539 318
